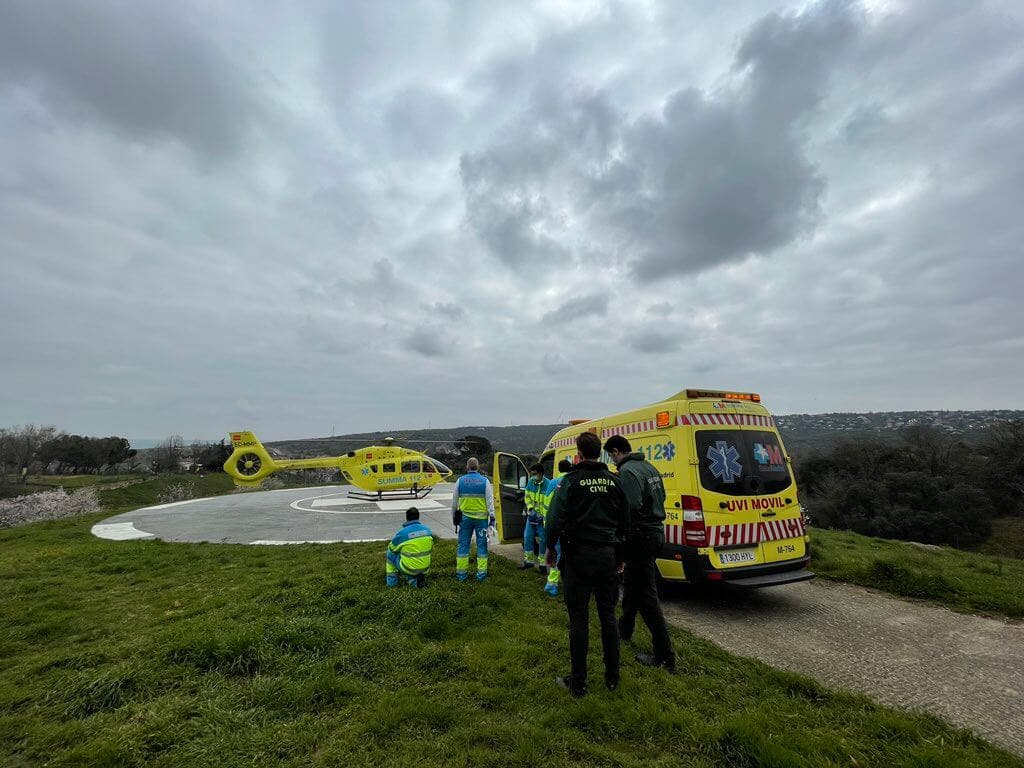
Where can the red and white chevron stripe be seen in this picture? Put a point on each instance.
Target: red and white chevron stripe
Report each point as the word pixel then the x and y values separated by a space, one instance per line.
pixel 725 419
pixel 743 533
pixel 629 429
pixel 773 530
pixel 732 535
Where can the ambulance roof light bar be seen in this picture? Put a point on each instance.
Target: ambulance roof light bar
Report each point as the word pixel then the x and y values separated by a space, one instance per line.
pixel 695 394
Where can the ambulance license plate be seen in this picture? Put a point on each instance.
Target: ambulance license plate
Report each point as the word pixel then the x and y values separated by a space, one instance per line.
pixel 739 556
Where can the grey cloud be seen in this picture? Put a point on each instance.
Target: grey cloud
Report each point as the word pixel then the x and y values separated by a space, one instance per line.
pixel 419 121
pixel 710 179
pixel 146 68
pixel 426 342
pixel 510 188
pixel 652 341
pixel 447 308
pixel 554 364
pixel 595 304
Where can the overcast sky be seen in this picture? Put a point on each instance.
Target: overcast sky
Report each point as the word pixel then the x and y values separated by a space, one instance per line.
pixel 370 215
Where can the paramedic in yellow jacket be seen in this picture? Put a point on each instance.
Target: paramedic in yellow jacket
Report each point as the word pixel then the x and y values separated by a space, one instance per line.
pixel 472 513
pixel 539 491
pixel 409 552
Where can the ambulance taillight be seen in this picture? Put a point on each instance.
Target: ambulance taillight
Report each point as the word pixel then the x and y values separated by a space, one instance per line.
pixel 695 533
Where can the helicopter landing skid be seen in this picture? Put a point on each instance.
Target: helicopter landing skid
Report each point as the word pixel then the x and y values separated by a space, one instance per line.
pixel 407 493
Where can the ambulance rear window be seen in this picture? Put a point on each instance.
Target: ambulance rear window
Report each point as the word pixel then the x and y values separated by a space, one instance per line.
pixel 742 463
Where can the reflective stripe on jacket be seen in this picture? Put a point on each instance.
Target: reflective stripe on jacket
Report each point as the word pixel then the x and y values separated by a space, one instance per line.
pixel 413 543
pixel 472 496
pixel 538 497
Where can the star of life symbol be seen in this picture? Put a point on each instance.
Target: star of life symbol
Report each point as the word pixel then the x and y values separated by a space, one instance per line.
pixel 725 464
pixel 365 470
pixel 761 454
pixel 669 451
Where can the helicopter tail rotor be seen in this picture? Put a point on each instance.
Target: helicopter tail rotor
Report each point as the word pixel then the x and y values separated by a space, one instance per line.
pixel 249 462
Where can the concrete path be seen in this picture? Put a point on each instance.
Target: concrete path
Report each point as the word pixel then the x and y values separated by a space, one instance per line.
pixel 967 670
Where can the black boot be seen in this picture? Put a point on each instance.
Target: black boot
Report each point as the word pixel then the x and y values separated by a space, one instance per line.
pixel 525 566
pixel 575 690
pixel 650 660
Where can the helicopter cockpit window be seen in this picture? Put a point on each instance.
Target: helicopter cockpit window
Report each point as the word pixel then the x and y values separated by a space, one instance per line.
pixel 373 468
pixel 410 466
pixel 389 467
pixel 428 467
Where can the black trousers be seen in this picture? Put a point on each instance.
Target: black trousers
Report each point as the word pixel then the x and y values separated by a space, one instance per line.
pixel 640 592
pixel 590 570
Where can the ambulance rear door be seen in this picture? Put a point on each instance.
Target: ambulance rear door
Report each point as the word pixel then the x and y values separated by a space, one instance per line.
pixel 509 480
pixel 746 489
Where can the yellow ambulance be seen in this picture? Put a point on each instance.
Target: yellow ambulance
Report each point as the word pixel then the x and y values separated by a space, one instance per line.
pixel 731 514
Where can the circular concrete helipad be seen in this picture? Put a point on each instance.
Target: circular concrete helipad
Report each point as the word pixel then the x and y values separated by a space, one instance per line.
pixel 293 516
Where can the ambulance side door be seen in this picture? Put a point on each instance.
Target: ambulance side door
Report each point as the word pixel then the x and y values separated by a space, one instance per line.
pixel 509 480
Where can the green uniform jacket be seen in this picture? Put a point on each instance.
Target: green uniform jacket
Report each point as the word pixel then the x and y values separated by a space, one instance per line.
pixel 645 493
pixel 589 507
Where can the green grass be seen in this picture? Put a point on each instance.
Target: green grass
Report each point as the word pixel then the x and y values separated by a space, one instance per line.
pixel 965 581
pixel 148 653
pixel 150 491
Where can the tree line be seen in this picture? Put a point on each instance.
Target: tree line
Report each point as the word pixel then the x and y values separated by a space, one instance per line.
pixel 930 486
pixel 35 449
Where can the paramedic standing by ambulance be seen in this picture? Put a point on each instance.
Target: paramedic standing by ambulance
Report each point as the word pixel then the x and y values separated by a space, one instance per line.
pixel 645 493
pixel 472 511
pixel 590 519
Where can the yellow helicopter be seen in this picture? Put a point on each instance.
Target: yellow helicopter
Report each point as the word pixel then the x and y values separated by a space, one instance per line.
pixel 378 471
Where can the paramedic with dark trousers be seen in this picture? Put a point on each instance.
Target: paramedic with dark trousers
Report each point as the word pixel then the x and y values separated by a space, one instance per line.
pixel 589 517
pixel 645 494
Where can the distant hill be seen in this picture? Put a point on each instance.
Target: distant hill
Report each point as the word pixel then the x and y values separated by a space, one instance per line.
pixel 526 438
pixel 804 432
pixel 801 432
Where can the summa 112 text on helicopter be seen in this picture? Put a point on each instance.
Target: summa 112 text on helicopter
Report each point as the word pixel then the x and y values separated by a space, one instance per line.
pixel 378 471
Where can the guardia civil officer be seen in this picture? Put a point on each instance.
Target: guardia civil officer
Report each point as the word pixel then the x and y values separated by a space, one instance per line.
pixel 645 494
pixel 589 518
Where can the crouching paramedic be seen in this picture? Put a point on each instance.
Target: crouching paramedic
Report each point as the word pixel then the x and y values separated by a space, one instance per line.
pixel 472 511
pixel 409 551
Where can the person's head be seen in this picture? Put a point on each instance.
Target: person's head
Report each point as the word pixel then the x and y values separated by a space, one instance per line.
pixel 617 447
pixel 589 446
pixel 537 472
pixel 565 466
pixel 472 465
pixel 412 514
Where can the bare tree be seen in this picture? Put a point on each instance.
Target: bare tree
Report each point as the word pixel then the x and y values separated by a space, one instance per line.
pixel 22 444
pixel 167 454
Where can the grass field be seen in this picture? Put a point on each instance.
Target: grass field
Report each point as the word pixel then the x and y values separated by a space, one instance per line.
pixel 146 653
pixel 965 581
